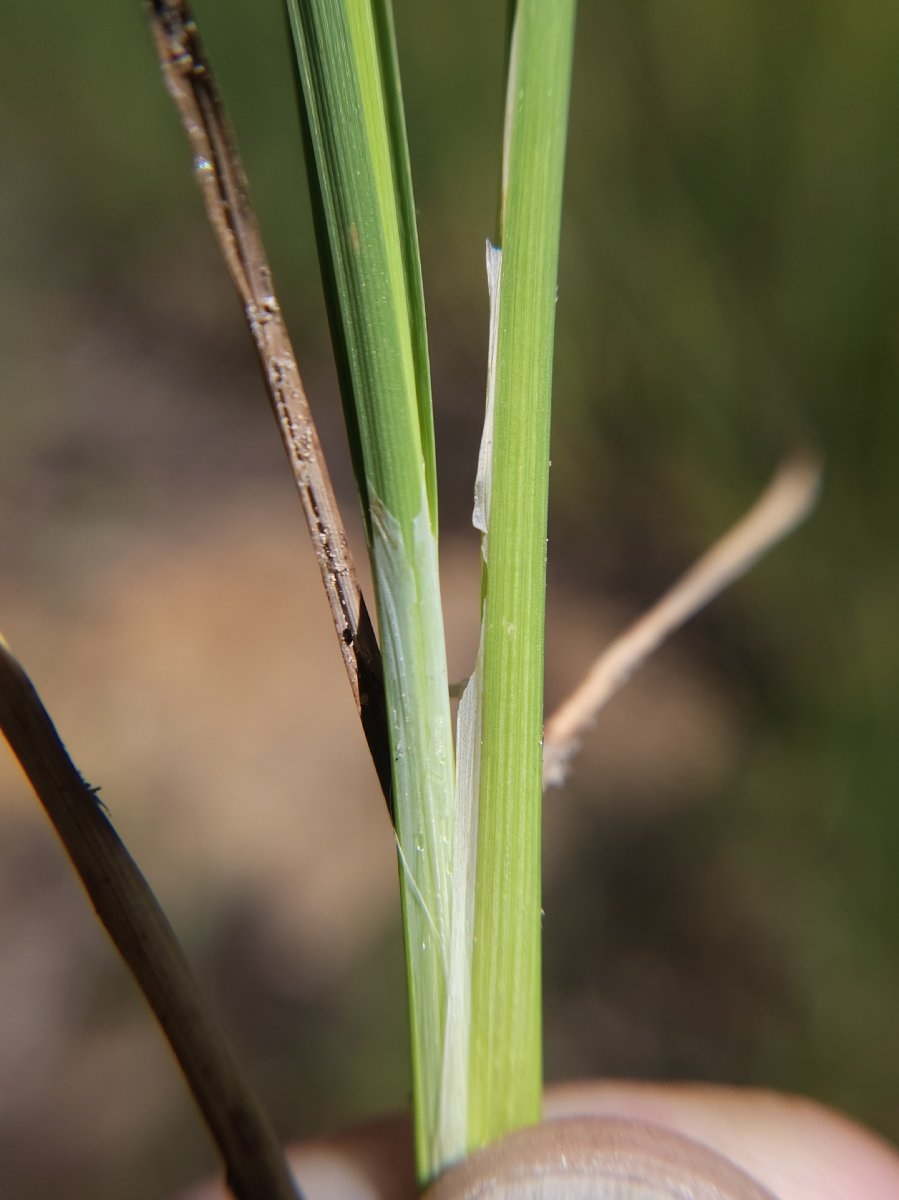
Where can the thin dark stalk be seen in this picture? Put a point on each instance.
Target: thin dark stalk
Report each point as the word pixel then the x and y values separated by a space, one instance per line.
pixel 222 181
pixel 254 1161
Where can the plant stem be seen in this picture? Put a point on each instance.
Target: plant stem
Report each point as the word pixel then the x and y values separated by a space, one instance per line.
pixel 255 1164
pixel 220 175
pixel 361 188
pixel 506 1047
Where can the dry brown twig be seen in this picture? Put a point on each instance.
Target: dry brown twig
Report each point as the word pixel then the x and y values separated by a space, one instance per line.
pixel 785 503
pixel 223 184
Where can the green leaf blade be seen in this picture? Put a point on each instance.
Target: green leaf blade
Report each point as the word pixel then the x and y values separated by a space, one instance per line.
pixel 506 1053
pixel 368 248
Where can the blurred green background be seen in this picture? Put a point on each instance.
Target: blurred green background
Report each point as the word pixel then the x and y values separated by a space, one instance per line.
pixel 729 290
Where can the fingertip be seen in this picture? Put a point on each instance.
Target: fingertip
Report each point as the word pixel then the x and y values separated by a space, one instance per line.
pixel 796 1147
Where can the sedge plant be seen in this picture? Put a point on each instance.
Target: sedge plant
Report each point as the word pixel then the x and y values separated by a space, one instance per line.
pixel 467 814
pixel 467 817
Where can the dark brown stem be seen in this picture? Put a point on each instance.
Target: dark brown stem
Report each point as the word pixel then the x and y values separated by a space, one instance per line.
pixel 222 181
pixel 254 1162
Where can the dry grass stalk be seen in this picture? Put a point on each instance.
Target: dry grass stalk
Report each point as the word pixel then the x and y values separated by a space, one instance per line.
pixel 223 184
pixel 784 504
